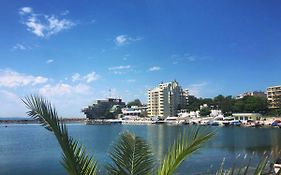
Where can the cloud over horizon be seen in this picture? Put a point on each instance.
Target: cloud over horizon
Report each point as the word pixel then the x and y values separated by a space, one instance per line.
pixel 12 79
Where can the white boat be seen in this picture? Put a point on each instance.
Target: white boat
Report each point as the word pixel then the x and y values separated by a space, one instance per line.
pixel 171 120
pixel 114 121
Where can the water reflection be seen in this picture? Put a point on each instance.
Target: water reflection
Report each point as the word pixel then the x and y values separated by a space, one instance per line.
pixel 229 142
pixel 24 146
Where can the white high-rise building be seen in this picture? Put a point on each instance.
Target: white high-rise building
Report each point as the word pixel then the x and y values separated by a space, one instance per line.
pixel 165 100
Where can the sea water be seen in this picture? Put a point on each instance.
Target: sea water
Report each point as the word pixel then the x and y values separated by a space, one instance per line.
pixel 31 149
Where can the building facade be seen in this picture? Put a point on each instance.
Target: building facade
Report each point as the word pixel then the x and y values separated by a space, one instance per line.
pixel 165 100
pixel 274 97
pixel 104 109
pixel 134 112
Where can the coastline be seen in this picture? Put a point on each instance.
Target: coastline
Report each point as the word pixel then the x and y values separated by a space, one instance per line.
pixel 263 123
pixel 31 121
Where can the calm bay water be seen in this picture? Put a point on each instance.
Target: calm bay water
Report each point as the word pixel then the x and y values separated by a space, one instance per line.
pixel 31 149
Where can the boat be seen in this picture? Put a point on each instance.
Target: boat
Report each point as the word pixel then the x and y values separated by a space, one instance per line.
pixel 276 123
pixel 235 123
pixel 171 120
pixel 114 121
pixel 227 120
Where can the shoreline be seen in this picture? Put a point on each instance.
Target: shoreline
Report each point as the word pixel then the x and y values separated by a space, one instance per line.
pixel 32 121
pixel 264 124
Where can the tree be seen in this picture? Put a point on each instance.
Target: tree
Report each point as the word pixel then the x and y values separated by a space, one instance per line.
pixel 251 104
pixel 136 102
pixel 193 103
pixel 204 112
pixel 224 103
pixel 130 154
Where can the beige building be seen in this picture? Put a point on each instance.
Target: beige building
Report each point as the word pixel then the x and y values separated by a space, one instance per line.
pixel 274 96
pixel 165 99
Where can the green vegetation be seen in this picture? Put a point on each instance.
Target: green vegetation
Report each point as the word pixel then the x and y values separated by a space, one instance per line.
pixel 136 102
pixel 229 105
pixel 204 112
pixel 130 154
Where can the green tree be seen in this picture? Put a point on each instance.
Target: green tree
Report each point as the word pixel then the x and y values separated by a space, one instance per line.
pixel 136 102
pixel 193 103
pixel 224 103
pixel 205 112
pixel 251 104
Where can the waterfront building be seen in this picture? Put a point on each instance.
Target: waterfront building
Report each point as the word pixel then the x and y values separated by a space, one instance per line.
pixel 255 94
pixel 274 97
pixel 166 99
pixel 134 112
pixel 104 109
pixel 247 116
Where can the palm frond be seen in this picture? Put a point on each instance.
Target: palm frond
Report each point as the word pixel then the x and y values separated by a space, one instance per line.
pixel 261 166
pixel 131 155
pixel 75 160
pixel 184 146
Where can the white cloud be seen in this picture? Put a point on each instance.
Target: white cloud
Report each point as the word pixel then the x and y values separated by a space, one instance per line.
pixel 196 89
pixel 56 90
pixel 119 67
pixel 49 61
pixel 90 77
pixel 19 46
pixel 154 68
pixel 125 39
pixel 66 12
pixel 44 25
pixel 187 57
pixel 62 89
pixel 25 10
pixel 121 39
pixel 35 26
pixel 11 79
pixel 75 77
pixel 68 99
pixel 118 70
pixel 11 104
pixel 56 25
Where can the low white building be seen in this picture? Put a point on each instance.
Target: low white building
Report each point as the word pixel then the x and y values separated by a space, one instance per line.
pixel 247 116
pixel 134 112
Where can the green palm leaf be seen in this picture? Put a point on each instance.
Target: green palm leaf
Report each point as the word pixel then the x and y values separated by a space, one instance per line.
pixel 184 146
pixel 130 156
pixel 75 160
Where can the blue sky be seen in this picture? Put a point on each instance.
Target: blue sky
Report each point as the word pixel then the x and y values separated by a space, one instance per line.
pixel 73 52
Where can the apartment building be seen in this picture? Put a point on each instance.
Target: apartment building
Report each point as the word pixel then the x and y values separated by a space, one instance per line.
pixel 255 94
pixel 274 96
pixel 165 99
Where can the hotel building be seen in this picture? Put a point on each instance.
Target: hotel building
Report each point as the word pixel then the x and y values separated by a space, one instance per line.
pixel 165 100
pixel 274 96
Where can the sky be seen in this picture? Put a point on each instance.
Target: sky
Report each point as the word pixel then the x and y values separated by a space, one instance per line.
pixel 75 52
